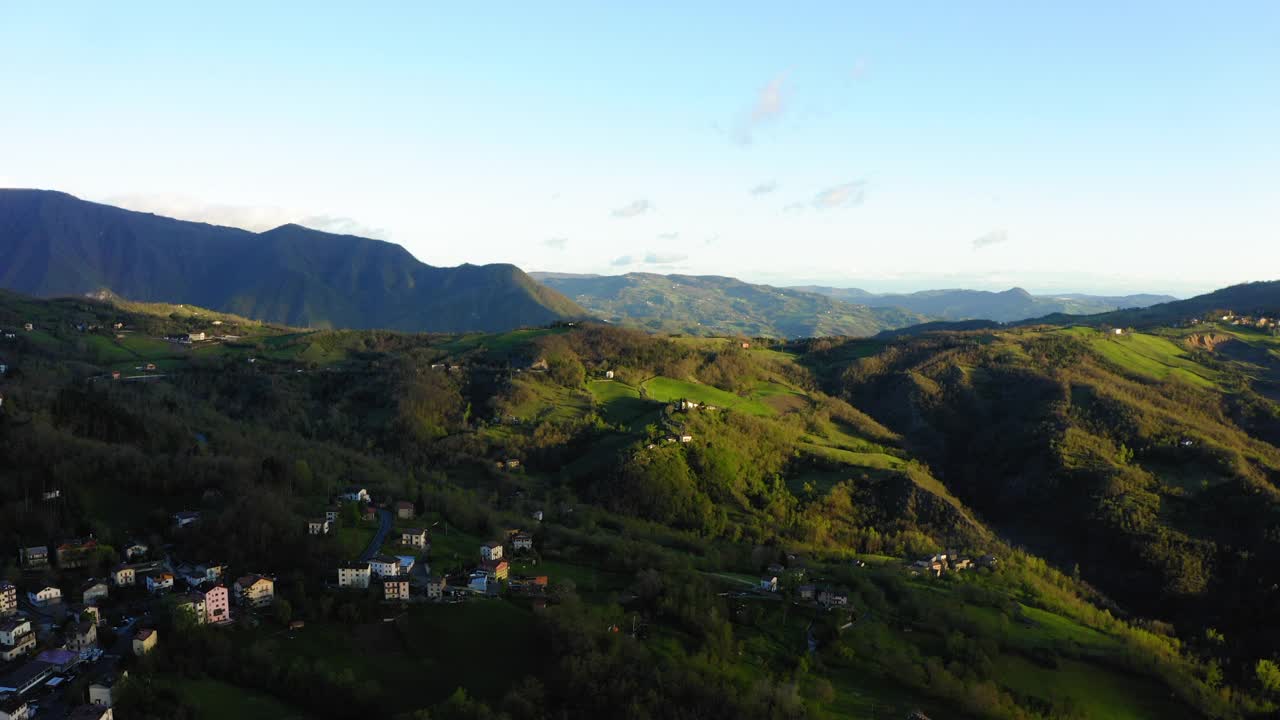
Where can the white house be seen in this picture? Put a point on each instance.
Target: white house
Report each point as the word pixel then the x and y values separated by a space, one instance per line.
pixel 491 551
pixel 318 526
pixel 384 566
pixel 185 518
pixel 124 576
pixel 521 541
pixel 608 374
pixel 135 550
pixel 769 583
pixel 45 596
pixel 354 575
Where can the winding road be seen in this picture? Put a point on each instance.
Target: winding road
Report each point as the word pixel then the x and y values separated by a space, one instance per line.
pixel 384 527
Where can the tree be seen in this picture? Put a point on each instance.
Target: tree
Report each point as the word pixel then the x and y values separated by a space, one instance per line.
pixel 283 610
pixel 1268 676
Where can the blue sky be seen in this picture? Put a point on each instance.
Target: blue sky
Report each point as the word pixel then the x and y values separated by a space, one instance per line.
pixel 892 146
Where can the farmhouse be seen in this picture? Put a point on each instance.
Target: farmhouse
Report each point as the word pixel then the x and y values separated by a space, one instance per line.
pixel 354 575
pixel 159 582
pixel 45 596
pixel 414 537
pixel 102 690
pixel 144 641
pixel 93 590
pixel 75 553
pixel 16 638
pixel 491 551
pixel 193 604
pixel 124 576
pixel 318 526
pixel 436 586
pixel 81 636
pixel 404 510
pixel 254 591
pixel 36 556
pixel 521 541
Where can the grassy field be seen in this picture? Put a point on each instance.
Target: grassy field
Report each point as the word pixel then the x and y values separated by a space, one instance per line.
pixel 1147 355
pixel 873 460
pixel 664 389
pixel 1095 692
pixel 353 540
pixel 214 700
pixel 432 650
pixel 620 403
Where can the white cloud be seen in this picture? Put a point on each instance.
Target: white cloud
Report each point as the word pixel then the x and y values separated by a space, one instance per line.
pixel 669 236
pixel 632 209
pixel 764 188
pixel 623 261
pixel 995 237
pixel 556 243
pixel 769 104
pixel 849 194
pixel 656 258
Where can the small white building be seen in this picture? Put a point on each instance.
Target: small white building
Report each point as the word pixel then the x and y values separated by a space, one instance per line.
pixel 769 583
pixel 355 493
pixel 491 551
pixel 384 566
pixel 45 596
pixel 159 582
pixel 414 537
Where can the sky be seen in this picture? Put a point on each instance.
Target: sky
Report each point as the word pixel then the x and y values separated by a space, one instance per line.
pixel 1086 146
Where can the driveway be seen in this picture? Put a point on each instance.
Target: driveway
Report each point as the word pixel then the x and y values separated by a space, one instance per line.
pixel 384 527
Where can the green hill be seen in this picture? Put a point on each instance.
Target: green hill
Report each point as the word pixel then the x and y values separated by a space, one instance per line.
pixel 712 305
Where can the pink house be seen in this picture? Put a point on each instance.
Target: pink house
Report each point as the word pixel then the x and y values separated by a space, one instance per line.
pixel 217 604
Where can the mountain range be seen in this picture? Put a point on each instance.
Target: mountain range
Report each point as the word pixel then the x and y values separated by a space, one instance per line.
pixel 1007 306
pixel 56 244
pixel 714 305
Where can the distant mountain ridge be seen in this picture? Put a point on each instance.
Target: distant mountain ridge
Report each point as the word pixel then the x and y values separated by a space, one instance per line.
pixel 56 244
pixel 715 305
pixel 1007 306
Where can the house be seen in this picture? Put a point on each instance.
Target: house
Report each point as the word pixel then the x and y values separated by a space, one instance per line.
pixel 144 641
pixel 807 592
pixel 8 599
pixel 746 346
pixel 135 550
pixel 355 493
pixel 832 597
pixel 414 537
pixel 186 518
pixel 193 337
pixel 491 551
pixel 511 464
pixel 254 591
pixel 48 495
pixel 369 513
pixel 75 553
pixel 688 405
pixel 406 564
pixel 36 556
pixel 115 374
pixel 479 582
pixel 1117 331
pixel 159 582
pixel 28 327
pixel 193 605
pixel 497 569
pixel 201 574
pixel 102 690
pixel 769 583
pixel 686 438
pixel 961 564
pixel 354 575
pixel 384 566
pixel 124 576
pixel 16 638
pixel 92 712
pixel 395 588
pixel 81 635
pixel 318 526
pixel 436 586
pixel 404 510
pixel 608 374
pixel 45 596
pixel 217 605
pixel 93 590
pixel 521 541
pixel 537 515
pixel 15 708
pixel 26 678
pixel 62 660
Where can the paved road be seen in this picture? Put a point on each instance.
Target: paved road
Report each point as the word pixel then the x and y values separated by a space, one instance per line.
pixel 384 527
